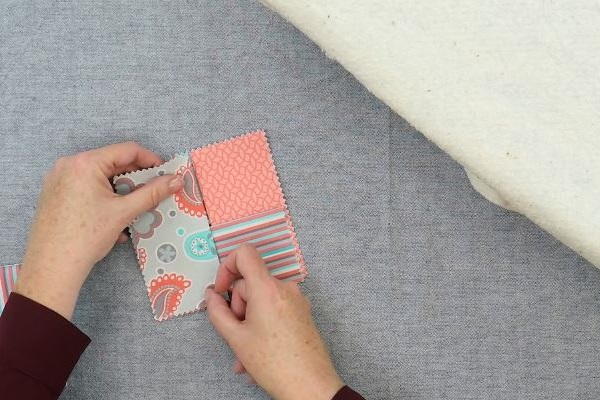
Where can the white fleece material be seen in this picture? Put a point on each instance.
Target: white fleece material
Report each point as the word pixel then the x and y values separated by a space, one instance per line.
pixel 510 89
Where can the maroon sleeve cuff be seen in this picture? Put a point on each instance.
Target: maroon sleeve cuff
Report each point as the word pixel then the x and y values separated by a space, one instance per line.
pixel 346 393
pixel 39 343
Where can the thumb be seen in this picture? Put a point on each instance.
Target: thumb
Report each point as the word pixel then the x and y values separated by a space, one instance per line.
pixel 221 316
pixel 149 195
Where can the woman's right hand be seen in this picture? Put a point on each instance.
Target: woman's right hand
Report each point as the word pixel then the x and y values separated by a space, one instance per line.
pixel 270 329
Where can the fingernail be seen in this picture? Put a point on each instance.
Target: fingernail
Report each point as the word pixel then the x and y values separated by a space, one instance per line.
pixel 176 183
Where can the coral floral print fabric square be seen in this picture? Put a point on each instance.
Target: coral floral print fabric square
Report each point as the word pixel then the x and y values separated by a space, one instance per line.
pixel 245 203
pixel 174 245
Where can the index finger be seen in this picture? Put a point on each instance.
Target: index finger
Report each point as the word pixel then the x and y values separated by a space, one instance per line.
pixel 124 157
pixel 244 262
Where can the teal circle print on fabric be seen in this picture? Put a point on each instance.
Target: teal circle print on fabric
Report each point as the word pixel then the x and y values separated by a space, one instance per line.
pixel 199 246
pixel 180 231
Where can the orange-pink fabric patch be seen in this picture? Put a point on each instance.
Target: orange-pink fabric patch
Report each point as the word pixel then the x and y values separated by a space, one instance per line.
pixel 237 178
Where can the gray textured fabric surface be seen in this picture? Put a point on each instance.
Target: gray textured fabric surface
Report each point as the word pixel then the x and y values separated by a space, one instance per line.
pixel 421 288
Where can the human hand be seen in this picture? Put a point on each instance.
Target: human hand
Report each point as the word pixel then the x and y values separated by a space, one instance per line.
pixel 270 329
pixel 80 218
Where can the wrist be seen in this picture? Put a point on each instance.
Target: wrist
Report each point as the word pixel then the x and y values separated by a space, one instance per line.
pixel 323 386
pixel 328 387
pixel 57 289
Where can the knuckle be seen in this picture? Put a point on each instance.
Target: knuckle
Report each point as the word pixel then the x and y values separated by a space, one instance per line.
pixel 124 218
pixel 247 248
pixel 155 197
pixel 131 146
pixel 61 163
pixel 61 167
pixel 272 288
pixel 79 161
pixel 132 143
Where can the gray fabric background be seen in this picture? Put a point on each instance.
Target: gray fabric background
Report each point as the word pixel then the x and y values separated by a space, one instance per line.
pixel 421 288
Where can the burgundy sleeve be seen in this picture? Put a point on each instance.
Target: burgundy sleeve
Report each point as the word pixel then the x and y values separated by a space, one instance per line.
pixel 346 393
pixel 38 350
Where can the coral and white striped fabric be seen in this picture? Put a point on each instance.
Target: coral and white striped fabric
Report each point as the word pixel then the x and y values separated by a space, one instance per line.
pixel 8 277
pixel 273 237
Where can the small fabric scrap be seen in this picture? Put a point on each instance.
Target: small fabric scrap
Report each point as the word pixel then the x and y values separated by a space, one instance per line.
pixel 173 242
pixel 245 203
pixel 8 277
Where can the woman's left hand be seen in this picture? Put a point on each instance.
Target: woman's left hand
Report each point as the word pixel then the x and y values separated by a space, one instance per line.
pixel 80 218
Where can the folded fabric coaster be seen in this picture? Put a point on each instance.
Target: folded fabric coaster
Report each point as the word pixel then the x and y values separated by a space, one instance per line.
pixel 174 245
pixel 245 203
pixel 8 277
